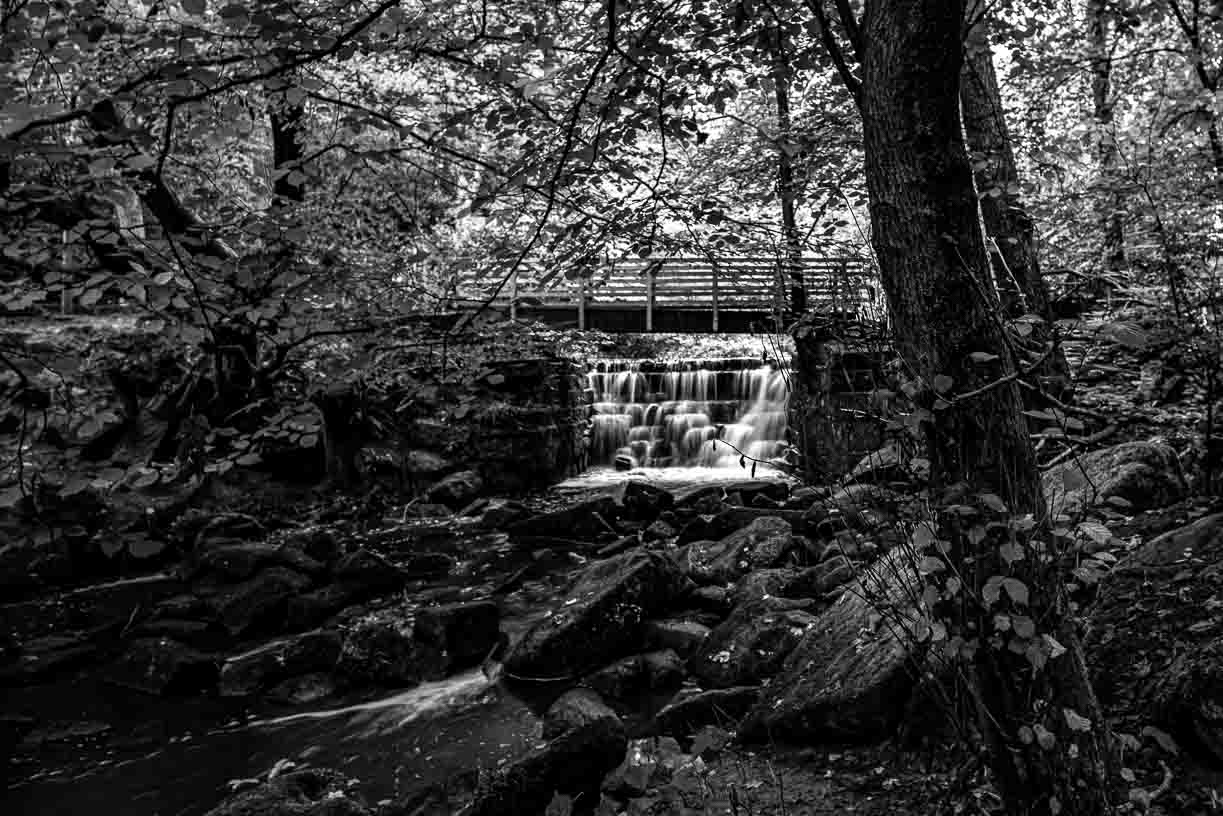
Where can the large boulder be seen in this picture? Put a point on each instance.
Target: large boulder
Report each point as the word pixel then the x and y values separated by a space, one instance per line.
pixel 601 618
pixel 307 792
pixel 763 543
pixel 164 666
pixel 457 490
pixel 259 603
pixel 384 650
pixel 753 643
pixel 589 746
pixel 1155 638
pixel 849 678
pixel 584 521
pixel 643 501
pixel 1143 475
pixel 464 633
pixel 259 670
pixel 721 707
pixel 630 677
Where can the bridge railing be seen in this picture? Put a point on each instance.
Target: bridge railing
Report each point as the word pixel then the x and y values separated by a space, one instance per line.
pixel 751 284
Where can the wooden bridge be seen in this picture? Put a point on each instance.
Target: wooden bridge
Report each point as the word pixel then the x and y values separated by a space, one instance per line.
pixel 682 294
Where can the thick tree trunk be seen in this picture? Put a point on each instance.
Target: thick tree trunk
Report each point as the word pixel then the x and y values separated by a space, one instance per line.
pixel 927 236
pixel 1013 254
pixel 1111 209
pixel 935 271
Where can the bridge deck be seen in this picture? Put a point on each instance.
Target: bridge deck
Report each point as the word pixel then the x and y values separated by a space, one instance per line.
pixel 679 294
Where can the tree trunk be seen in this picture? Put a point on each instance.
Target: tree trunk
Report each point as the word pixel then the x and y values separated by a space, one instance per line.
pixel 786 190
pixel 935 271
pixel 1013 254
pixel 927 236
pixel 286 121
pixel 1111 209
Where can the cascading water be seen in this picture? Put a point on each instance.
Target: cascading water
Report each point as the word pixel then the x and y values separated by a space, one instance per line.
pixel 679 414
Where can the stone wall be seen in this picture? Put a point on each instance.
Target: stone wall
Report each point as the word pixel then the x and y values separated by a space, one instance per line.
pixel 521 426
pixel 836 409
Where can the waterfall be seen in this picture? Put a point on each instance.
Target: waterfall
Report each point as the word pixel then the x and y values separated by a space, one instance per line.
pixel 654 414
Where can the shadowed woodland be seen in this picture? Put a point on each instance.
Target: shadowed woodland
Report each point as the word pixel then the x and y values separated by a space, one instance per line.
pixel 625 407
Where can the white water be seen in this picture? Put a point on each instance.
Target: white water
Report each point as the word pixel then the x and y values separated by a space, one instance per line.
pixel 706 416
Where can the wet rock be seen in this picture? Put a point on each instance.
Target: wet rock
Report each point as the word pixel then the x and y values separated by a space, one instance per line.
pixel 573 763
pixel 313 608
pixel 224 528
pixel 317 543
pixel 500 513
pixel 601 618
pixel 1154 641
pixel 583 521
pixel 257 671
pixel 643 501
pixel 753 643
pixel 648 762
pixel 237 562
pixel 763 583
pixel 822 579
pixel 463 632
pixel 713 599
pixel 44 657
pixel 428 510
pixel 385 652
pixel 1147 475
pixel 457 489
pixel 576 708
pixel 748 489
pixel 720 707
pixel 682 635
pixel 163 666
pixel 803 498
pixel 259 603
pixel 308 688
pixel 367 569
pixel 632 676
pixel 658 531
pixel 308 792
pixel 763 543
pixel 192 632
pixel 430 565
pixel 883 465
pixel 850 677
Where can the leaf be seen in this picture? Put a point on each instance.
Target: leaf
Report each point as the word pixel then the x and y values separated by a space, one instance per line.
pixel 1096 531
pixel 561 805
pixel 1163 738
pixel 943 383
pixel 981 357
pixel 931 564
pixel 1076 721
pixel 1044 737
pixel 994 503
pixel 194 6
pixel 141 547
pixel 991 593
pixel 923 536
pixel 1024 626
pixel 308 441
pixel 1016 589
pixel 248 460
pixel 111 546
pixel 495 379
pixel 1010 552
pixel 10 496
pixel 1056 649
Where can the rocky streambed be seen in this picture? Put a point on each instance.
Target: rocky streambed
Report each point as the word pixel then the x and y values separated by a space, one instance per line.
pixel 618 648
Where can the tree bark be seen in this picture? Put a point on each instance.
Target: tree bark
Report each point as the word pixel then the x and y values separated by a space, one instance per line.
pixel 935 271
pixel 1111 209
pixel 286 120
pixel 1013 254
pixel 786 189
pixel 927 236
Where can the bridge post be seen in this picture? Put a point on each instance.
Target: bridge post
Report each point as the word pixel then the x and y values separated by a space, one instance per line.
pixel 651 281
pixel 582 303
pixel 514 294
pixel 713 271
